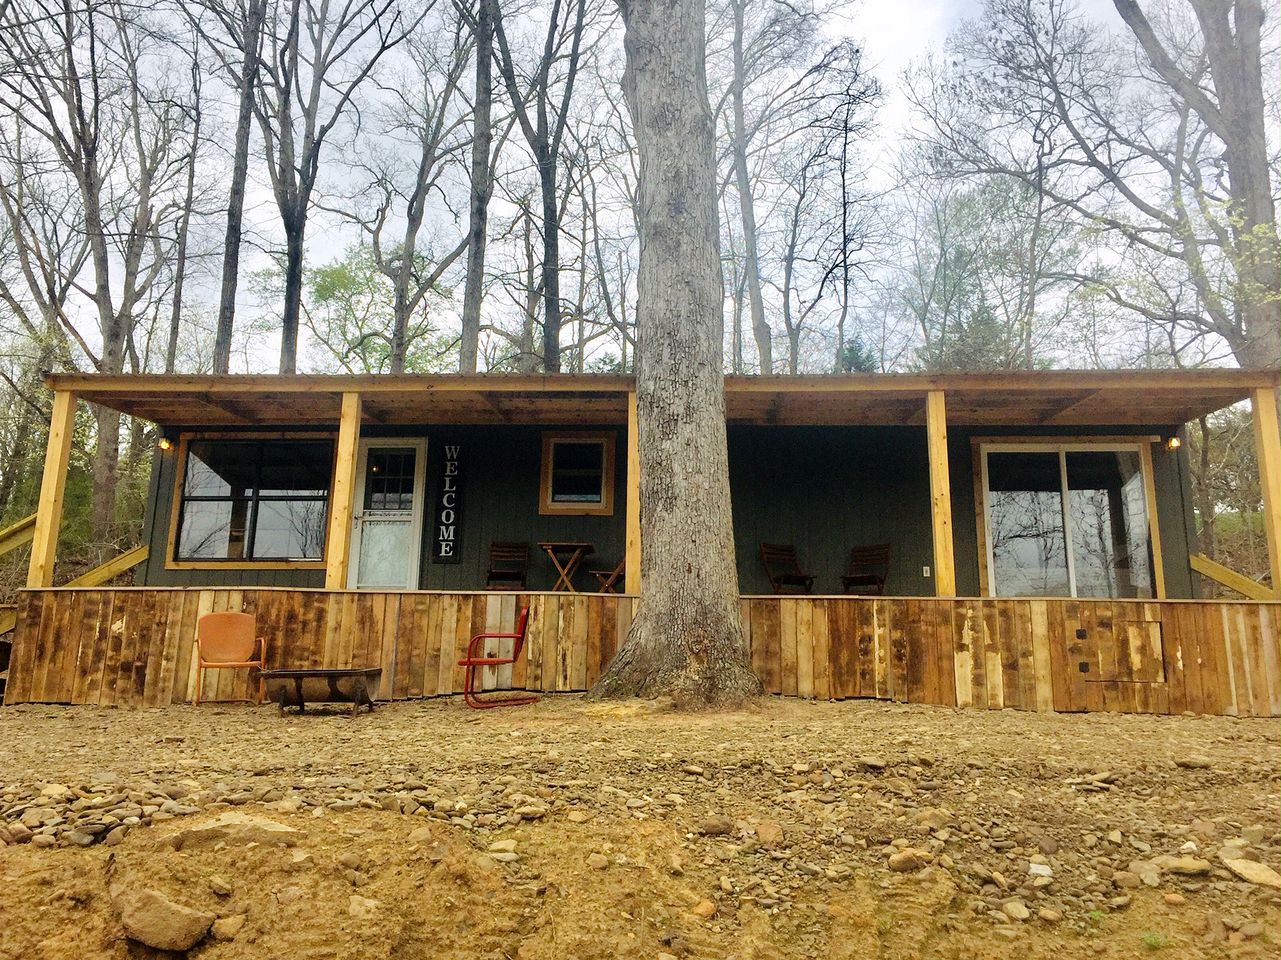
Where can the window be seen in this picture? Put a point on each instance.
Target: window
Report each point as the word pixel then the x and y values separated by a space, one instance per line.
pixel 389 478
pixel 253 500
pixel 1067 520
pixel 577 474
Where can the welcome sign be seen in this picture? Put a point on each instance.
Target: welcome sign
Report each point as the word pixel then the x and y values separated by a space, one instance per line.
pixel 446 542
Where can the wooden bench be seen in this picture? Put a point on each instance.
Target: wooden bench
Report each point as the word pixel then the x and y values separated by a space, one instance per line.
pixel 297 688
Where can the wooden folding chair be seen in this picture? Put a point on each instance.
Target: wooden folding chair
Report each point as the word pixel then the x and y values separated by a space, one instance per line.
pixel 508 565
pixel 784 569
pixel 608 579
pixel 472 661
pixel 226 641
pixel 867 569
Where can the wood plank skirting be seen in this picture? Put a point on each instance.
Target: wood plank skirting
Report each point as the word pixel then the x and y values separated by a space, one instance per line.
pixel 1211 657
pixel 132 647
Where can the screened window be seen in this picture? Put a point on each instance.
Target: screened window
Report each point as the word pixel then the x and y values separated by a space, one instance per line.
pixel 1069 521
pixel 578 473
pixel 254 500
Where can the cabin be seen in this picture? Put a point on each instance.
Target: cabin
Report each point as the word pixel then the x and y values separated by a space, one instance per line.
pixel 1021 540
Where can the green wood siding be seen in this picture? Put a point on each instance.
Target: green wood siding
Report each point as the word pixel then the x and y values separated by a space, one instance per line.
pixel 500 473
pixel 826 489
pixel 823 489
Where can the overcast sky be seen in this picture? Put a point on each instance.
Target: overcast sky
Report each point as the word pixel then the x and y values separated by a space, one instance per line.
pixel 894 33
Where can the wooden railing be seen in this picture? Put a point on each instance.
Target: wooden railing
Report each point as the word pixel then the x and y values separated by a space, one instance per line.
pixel 132 646
pixel 1230 578
pixel 108 571
pixel 17 534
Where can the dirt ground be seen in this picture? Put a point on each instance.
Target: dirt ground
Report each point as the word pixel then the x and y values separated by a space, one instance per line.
pixel 575 830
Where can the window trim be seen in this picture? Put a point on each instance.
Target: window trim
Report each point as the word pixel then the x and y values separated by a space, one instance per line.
pixel 175 505
pixel 605 508
pixel 1139 443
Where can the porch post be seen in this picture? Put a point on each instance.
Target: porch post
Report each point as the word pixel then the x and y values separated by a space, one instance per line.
pixel 342 497
pixel 632 551
pixel 1267 449
pixel 940 494
pixel 44 544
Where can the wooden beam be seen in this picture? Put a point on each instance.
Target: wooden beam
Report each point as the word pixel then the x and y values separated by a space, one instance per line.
pixel 44 542
pixel 111 569
pixel 343 494
pixel 1267 449
pixel 1061 382
pixel 1229 578
pixel 17 534
pixel 940 494
pixel 159 385
pixel 1069 404
pixel 632 553
pixel 1154 521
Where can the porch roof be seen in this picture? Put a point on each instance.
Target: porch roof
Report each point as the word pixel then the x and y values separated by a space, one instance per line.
pixel 1065 398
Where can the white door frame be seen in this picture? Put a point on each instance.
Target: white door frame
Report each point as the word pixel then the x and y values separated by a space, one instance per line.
pixel 414 559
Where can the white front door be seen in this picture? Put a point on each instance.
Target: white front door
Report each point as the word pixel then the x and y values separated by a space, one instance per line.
pixel 389 514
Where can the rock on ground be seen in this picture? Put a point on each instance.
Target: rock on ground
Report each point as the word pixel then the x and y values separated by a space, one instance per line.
pixel 152 918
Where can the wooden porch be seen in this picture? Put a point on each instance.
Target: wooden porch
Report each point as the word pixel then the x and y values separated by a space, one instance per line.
pixel 132 647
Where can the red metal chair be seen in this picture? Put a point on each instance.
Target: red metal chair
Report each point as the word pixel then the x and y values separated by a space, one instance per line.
pixel 472 661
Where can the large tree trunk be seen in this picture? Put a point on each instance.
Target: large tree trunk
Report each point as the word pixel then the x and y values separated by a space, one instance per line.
pixel 236 198
pixel 481 187
pixel 294 249
pixel 106 470
pixel 400 326
pixel 551 264
pixel 687 638
pixel 1233 43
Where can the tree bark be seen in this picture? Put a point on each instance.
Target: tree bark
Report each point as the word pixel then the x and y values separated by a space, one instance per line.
pixel 295 237
pixel 481 187
pixel 687 638
pixel 236 198
pixel 551 263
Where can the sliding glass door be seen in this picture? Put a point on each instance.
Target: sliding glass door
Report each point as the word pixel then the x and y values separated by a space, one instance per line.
pixel 1066 520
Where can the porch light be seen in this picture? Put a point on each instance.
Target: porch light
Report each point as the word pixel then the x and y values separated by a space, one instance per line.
pixel 1173 443
pixel 164 443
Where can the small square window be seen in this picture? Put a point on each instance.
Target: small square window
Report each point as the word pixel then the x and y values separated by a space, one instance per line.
pixel 577 474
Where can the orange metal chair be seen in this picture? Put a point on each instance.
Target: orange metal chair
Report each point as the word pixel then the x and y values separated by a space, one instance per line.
pixel 472 661
pixel 226 641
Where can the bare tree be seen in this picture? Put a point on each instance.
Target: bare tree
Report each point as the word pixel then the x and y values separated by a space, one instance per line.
pixel 86 89
pixel 544 132
pixel 426 134
pixel 1132 143
pixel 239 49
pixel 316 57
pixel 1234 111
pixel 195 113
pixel 687 638
pixel 481 184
